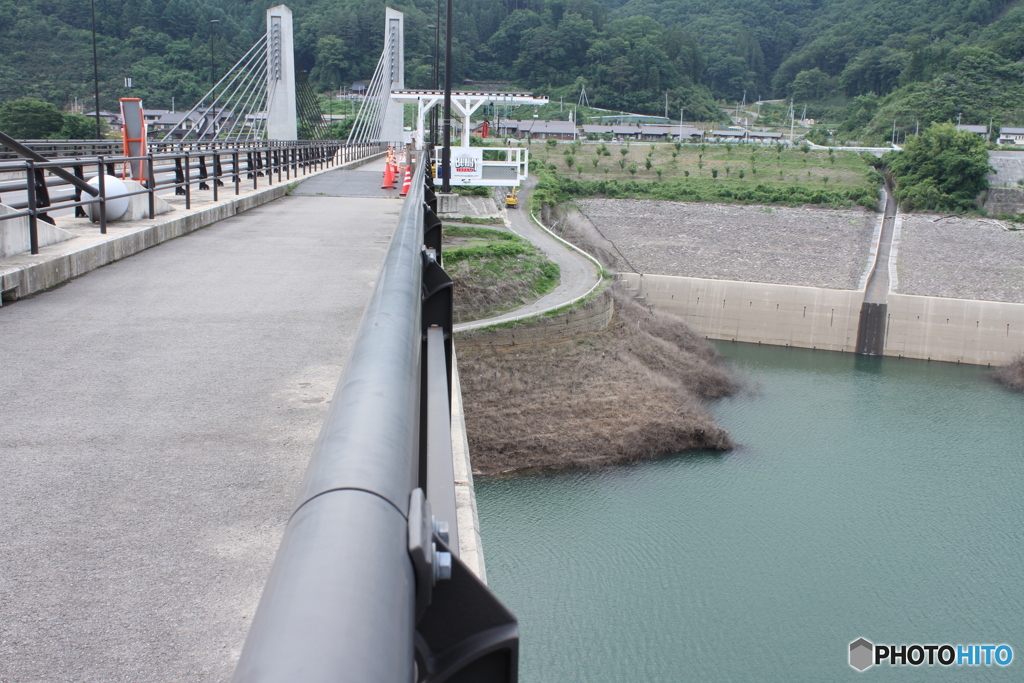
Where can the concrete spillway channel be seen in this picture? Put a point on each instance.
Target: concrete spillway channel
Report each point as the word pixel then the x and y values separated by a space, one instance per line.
pixel 871 329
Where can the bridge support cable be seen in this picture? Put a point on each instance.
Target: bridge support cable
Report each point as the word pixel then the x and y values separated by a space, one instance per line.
pixel 369 117
pixel 310 114
pixel 367 584
pixel 252 61
pixel 255 98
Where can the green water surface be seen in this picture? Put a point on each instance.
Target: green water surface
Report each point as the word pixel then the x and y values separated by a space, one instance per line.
pixel 876 498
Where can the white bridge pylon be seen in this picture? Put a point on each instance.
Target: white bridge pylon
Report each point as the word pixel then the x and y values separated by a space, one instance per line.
pixel 464 102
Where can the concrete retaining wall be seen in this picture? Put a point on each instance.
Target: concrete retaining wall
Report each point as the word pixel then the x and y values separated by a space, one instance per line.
pixel 783 315
pixel 16 239
pixel 933 328
pixel 955 330
pixel 593 316
pixel 470 546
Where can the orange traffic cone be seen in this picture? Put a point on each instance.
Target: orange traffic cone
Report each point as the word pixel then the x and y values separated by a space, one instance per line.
pixel 389 178
pixel 407 183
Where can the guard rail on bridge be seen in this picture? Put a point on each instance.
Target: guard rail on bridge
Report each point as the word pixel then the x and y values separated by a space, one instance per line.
pixel 367 584
pixel 45 184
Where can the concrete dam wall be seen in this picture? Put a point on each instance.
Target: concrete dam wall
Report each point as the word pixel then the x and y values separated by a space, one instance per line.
pixel 933 328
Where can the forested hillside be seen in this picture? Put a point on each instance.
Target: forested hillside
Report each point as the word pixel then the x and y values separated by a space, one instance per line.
pixel 862 63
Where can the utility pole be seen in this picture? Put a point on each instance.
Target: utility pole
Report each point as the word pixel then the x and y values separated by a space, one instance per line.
pixel 666 105
pixel 446 151
pixel 95 69
pixel 433 110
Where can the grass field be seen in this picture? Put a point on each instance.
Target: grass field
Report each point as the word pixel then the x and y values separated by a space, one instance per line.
pixel 494 271
pixel 717 171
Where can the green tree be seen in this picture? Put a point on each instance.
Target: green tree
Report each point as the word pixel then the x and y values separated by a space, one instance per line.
pixel 30 119
pixel 78 127
pixel 941 169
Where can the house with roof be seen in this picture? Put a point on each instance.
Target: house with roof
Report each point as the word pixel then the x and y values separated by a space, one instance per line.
pixel 686 133
pixel 654 132
pixel 732 135
pixel 109 117
pixel 1010 136
pixel 595 131
pixel 970 128
pixel 626 132
pixel 763 137
pixel 544 130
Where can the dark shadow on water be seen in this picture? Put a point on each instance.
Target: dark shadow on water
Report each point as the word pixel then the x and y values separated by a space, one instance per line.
pixel 695 457
pixel 868 364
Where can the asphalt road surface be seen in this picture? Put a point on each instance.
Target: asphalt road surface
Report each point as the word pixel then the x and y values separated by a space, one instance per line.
pixel 578 273
pixel 156 416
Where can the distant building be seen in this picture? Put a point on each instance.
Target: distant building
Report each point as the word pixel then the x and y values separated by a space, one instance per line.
pixel 1010 136
pixel 626 132
pixel 977 130
pixel 653 133
pixel 110 118
pixel 733 135
pixel 544 130
pixel 359 88
pixel 196 123
pixel 764 138
pixel 153 115
pixel 684 133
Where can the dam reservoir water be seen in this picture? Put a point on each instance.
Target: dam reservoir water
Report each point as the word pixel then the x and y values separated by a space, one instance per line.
pixel 870 497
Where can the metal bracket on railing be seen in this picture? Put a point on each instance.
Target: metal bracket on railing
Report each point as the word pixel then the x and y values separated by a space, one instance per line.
pixel 432 232
pixel 437 300
pixel 463 633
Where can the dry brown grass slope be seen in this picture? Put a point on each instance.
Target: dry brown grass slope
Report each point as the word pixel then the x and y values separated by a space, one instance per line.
pixel 1012 375
pixel 631 392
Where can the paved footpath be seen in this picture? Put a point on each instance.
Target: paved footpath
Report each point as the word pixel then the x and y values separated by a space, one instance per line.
pixel 579 274
pixel 156 416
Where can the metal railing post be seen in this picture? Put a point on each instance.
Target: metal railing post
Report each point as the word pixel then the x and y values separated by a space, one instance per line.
pixel 33 221
pixel 188 181
pixel 103 196
pixel 152 187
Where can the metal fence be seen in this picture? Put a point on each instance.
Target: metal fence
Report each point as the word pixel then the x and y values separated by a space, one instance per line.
pixel 50 176
pixel 367 584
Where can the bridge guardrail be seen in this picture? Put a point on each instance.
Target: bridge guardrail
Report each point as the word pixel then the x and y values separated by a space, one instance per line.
pixel 367 584
pixel 203 165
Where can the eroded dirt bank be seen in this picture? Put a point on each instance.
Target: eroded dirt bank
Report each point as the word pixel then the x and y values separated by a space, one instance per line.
pixel 633 391
pixel 1012 375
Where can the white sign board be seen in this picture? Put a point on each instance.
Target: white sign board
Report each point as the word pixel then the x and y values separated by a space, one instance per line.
pixel 467 165
pixel 504 167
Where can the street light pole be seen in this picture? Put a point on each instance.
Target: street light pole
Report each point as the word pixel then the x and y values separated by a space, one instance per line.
pixel 446 151
pixel 433 83
pixel 95 69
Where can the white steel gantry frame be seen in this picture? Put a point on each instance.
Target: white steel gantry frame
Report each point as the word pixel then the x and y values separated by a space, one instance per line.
pixel 464 102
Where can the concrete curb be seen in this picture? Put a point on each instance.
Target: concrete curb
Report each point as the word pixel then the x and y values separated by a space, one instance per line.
pixel 49 270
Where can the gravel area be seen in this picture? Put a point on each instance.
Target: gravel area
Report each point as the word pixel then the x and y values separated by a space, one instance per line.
pixel 781 245
pixel 961 258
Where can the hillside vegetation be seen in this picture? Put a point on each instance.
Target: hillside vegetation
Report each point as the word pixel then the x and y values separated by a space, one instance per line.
pixel 864 64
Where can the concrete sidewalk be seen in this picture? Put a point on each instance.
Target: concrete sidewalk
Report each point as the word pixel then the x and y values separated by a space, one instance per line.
pixel 157 417
pixel 25 274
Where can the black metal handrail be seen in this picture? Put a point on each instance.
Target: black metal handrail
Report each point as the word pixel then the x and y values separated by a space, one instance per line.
pixel 365 586
pixel 51 148
pixel 48 185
